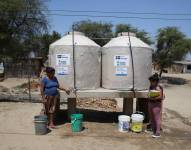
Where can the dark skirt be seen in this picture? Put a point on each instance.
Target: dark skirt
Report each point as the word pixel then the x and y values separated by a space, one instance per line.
pixel 50 104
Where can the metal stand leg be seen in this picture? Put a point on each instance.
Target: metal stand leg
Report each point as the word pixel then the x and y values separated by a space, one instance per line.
pixel 71 106
pixel 128 106
pixel 142 105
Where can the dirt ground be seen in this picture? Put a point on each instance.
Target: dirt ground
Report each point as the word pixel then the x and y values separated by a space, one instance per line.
pixel 13 82
pixel 100 127
pixel 178 96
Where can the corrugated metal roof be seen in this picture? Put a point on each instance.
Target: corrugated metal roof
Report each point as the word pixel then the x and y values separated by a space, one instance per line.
pixel 188 57
pixel 183 62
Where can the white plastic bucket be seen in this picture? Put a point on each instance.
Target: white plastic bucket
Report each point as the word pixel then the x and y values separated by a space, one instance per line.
pixel 124 121
pixel 137 122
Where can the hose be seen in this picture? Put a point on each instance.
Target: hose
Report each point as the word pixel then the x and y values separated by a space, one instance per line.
pixel 132 63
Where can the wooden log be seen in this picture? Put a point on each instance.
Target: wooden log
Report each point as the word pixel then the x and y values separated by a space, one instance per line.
pixel 128 106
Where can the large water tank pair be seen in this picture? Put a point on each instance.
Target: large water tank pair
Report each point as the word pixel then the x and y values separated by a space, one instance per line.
pixel 117 69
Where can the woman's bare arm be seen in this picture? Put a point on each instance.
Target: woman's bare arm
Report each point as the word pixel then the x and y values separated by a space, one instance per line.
pixel 64 89
pixel 42 91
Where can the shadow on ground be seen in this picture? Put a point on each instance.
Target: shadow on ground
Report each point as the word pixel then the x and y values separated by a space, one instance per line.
pixel 174 125
pixel 174 80
pixel 90 116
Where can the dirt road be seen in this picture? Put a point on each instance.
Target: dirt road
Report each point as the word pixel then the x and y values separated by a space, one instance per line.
pixel 178 97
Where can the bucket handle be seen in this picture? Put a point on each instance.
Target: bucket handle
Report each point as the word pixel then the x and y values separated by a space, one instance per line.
pixel 139 112
pixel 73 121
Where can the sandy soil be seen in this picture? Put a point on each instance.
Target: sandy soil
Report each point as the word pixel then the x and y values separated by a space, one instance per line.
pixel 178 97
pixel 17 132
pixel 13 82
pixel 17 127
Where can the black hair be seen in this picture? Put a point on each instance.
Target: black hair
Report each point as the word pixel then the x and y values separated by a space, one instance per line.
pixel 50 69
pixel 154 77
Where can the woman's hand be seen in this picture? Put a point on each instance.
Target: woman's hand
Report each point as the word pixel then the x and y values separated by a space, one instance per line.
pixel 153 99
pixel 158 98
pixel 65 89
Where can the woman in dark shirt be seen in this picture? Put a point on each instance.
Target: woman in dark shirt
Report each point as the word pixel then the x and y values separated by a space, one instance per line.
pixel 49 93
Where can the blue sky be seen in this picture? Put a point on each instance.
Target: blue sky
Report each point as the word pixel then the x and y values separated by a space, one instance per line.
pixel 63 24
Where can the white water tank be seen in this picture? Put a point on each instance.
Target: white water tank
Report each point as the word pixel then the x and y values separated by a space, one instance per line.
pixel 117 71
pixel 87 58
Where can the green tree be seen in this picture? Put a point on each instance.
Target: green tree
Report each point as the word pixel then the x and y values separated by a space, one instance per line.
pixel 172 45
pixel 139 33
pixel 46 40
pixel 40 43
pixel 98 31
pixel 189 42
pixel 19 20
